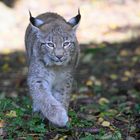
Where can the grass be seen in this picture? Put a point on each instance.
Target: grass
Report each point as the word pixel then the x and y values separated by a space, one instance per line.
pixel 96 121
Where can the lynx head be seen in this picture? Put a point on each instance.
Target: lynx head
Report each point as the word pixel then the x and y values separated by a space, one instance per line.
pixel 56 38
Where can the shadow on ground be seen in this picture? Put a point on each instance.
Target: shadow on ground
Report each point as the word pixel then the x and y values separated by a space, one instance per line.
pixel 9 3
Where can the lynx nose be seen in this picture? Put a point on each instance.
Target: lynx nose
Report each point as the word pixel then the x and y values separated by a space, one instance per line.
pixel 59 56
pixel 59 53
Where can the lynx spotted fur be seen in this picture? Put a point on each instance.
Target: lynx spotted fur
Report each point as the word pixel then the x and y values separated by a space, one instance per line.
pixel 52 55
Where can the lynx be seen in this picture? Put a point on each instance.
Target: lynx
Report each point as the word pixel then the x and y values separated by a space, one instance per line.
pixel 52 55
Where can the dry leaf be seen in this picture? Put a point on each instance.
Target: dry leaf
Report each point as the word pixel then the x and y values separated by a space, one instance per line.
pixel 12 113
pixel 112 128
pixel 128 73
pixel 63 138
pixel 137 51
pixel 22 60
pixel 92 78
pixel 2 123
pixel 100 120
pixel 89 83
pixel 113 76
pixel 97 83
pixel 124 79
pixel 105 124
pixel 113 111
pixel 124 53
pixel 103 101
pixel 6 67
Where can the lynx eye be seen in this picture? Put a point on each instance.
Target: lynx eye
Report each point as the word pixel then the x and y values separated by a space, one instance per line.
pixel 50 44
pixel 66 44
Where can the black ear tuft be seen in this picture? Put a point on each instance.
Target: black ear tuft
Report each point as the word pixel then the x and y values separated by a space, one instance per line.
pixel 75 20
pixel 32 19
pixel 78 17
pixel 35 21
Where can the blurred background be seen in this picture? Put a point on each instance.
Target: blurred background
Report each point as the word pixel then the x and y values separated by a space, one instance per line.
pixel 102 20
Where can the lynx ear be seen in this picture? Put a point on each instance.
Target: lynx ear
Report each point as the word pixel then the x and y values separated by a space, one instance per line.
pixel 35 21
pixel 74 22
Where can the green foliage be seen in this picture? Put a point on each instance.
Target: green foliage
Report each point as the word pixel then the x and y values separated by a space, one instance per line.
pixel 89 137
pixel 19 120
pixel 137 108
pixel 75 121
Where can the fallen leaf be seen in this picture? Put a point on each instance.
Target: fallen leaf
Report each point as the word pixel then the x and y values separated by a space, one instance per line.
pixel 90 117
pixel 63 138
pixel 113 76
pixel 22 60
pixel 89 83
pixel 97 83
pixel 137 51
pixel 73 97
pixel 6 67
pixel 105 124
pixel 7 58
pixel 92 78
pixel 100 120
pixel 111 128
pixel 12 113
pixel 124 53
pixel 103 101
pixel 56 137
pixel 124 79
pixel 2 123
pixel 128 73
pixel 113 111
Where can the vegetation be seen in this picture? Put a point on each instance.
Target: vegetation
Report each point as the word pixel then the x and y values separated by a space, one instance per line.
pixel 104 106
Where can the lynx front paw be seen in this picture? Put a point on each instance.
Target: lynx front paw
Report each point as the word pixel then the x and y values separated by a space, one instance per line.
pixel 58 116
pixel 53 111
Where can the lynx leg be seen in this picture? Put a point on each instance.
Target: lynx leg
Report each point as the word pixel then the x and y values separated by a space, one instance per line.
pixel 44 102
pixel 63 98
pixel 62 94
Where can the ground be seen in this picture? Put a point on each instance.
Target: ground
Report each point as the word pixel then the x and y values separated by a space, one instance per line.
pixel 105 104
